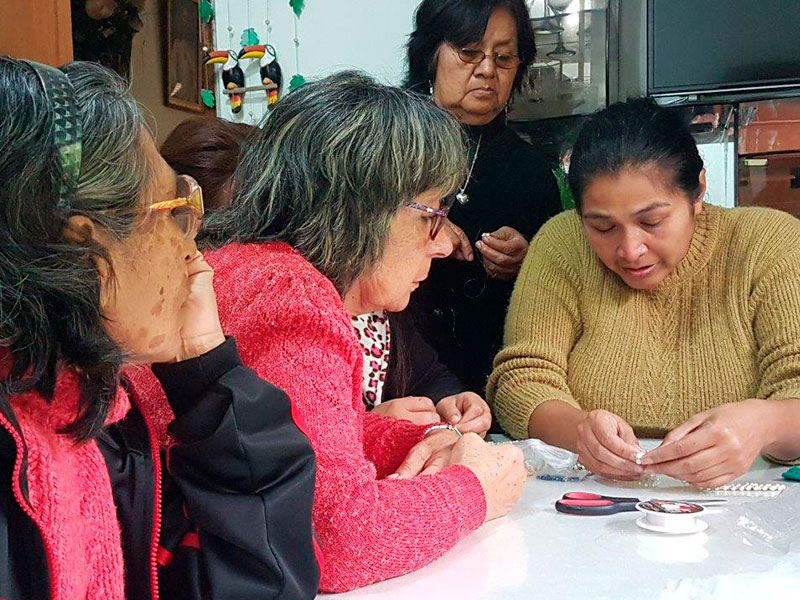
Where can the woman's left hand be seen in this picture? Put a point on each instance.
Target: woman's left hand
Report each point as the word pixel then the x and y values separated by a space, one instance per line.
pixel 462 249
pixel 467 410
pixel 503 252
pixel 713 447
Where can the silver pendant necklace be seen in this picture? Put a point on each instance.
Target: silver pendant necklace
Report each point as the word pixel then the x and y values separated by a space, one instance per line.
pixel 462 196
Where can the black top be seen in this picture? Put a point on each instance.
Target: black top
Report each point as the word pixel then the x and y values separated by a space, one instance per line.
pixel 240 476
pixel 459 308
pixel 414 367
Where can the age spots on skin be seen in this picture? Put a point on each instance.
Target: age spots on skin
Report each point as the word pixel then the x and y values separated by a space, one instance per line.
pixel 156 341
pixel 158 308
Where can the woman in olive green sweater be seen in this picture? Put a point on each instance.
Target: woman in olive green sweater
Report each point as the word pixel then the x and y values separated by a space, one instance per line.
pixel 650 313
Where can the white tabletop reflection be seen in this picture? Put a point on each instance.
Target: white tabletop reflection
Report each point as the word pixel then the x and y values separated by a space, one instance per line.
pixel 536 552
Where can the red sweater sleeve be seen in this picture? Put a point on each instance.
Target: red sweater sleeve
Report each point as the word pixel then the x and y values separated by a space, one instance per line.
pixel 296 334
pixel 387 441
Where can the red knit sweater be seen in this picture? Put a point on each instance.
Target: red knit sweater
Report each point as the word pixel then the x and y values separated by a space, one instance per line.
pixel 293 330
pixel 70 495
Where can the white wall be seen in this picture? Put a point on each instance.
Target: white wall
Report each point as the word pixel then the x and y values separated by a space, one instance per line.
pixel 720 163
pixel 334 35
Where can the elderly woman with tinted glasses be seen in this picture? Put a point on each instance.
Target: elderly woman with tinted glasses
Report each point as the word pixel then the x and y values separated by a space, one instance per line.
pixel 337 211
pixel 470 56
pixel 99 269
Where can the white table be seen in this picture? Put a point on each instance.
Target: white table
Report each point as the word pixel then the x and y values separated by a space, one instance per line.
pixel 538 553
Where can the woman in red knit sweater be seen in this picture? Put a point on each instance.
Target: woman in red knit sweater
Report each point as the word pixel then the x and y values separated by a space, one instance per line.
pixel 336 212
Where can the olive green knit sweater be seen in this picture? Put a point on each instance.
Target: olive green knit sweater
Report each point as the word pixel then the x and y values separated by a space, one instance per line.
pixel 722 327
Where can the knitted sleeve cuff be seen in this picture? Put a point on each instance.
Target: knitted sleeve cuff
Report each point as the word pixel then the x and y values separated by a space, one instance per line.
pixel 465 486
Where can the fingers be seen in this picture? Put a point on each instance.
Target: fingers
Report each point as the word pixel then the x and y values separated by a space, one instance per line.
pixel 417 409
pixel 608 463
pixel 436 463
pixel 497 257
pixel 683 441
pixel 462 248
pixel 479 424
pixel 448 410
pixel 422 418
pixel 198 264
pixel 715 482
pixel 473 411
pixel 608 430
pixel 415 403
pixel 706 464
pixel 413 463
pixel 684 429
pixel 505 239
pixel 608 444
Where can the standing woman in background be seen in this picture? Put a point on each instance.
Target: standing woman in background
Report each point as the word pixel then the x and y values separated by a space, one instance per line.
pixel 470 56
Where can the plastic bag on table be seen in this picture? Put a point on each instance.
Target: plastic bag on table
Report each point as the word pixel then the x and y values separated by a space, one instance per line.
pixel 551 463
pixel 771 524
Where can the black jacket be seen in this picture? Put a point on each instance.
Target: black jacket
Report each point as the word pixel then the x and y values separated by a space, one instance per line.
pixel 233 498
pixel 459 309
pixel 414 367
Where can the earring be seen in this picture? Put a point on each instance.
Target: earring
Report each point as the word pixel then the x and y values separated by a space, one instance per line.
pixel 430 88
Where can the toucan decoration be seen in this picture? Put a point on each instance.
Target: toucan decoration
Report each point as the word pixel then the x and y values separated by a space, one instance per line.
pixel 270 69
pixel 232 75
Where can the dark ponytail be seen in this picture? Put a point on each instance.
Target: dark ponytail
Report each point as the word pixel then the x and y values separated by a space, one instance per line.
pixel 640 134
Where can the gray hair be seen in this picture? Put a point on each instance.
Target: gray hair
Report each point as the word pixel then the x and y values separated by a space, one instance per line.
pixel 50 310
pixel 332 165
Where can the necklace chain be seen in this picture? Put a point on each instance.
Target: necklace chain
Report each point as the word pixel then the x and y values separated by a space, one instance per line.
pixel 462 195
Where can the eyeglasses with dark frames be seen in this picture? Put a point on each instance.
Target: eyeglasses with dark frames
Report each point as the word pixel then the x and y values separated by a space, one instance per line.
pixel 503 60
pixel 438 216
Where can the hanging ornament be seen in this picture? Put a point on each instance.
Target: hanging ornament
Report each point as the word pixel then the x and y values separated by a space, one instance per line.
pixel 208 98
pixel 297 6
pixel 249 37
pixel 206 11
pixel 296 82
pixel 269 70
pixel 232 75
pixel 297 79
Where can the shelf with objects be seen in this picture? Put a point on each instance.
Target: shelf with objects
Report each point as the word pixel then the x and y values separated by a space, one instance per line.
pixel 769 154
pixel 570 75
pixel 576 44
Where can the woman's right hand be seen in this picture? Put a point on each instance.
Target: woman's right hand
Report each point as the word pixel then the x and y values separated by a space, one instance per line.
pixel 201 331
pixel 417 409
pixel 607 446
pixel 500 470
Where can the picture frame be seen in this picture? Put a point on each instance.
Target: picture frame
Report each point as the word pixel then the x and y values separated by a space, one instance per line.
pixel 186 76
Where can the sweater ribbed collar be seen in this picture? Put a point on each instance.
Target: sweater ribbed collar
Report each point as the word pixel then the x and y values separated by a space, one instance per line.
pixel 701 248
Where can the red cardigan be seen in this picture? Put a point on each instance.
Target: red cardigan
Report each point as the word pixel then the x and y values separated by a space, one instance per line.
pixel 293 330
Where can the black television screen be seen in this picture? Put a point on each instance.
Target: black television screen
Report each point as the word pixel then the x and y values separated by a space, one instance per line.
pixel 722 45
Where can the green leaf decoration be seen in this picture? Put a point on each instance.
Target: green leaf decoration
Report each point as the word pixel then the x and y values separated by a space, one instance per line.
pixel 296 82
pixel 249 37
pixel 206 11
pixel 567 201
pixel 297 6
pixel 208 98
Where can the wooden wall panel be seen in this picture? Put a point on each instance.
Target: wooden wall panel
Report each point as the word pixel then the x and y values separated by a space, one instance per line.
pixel 39 30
